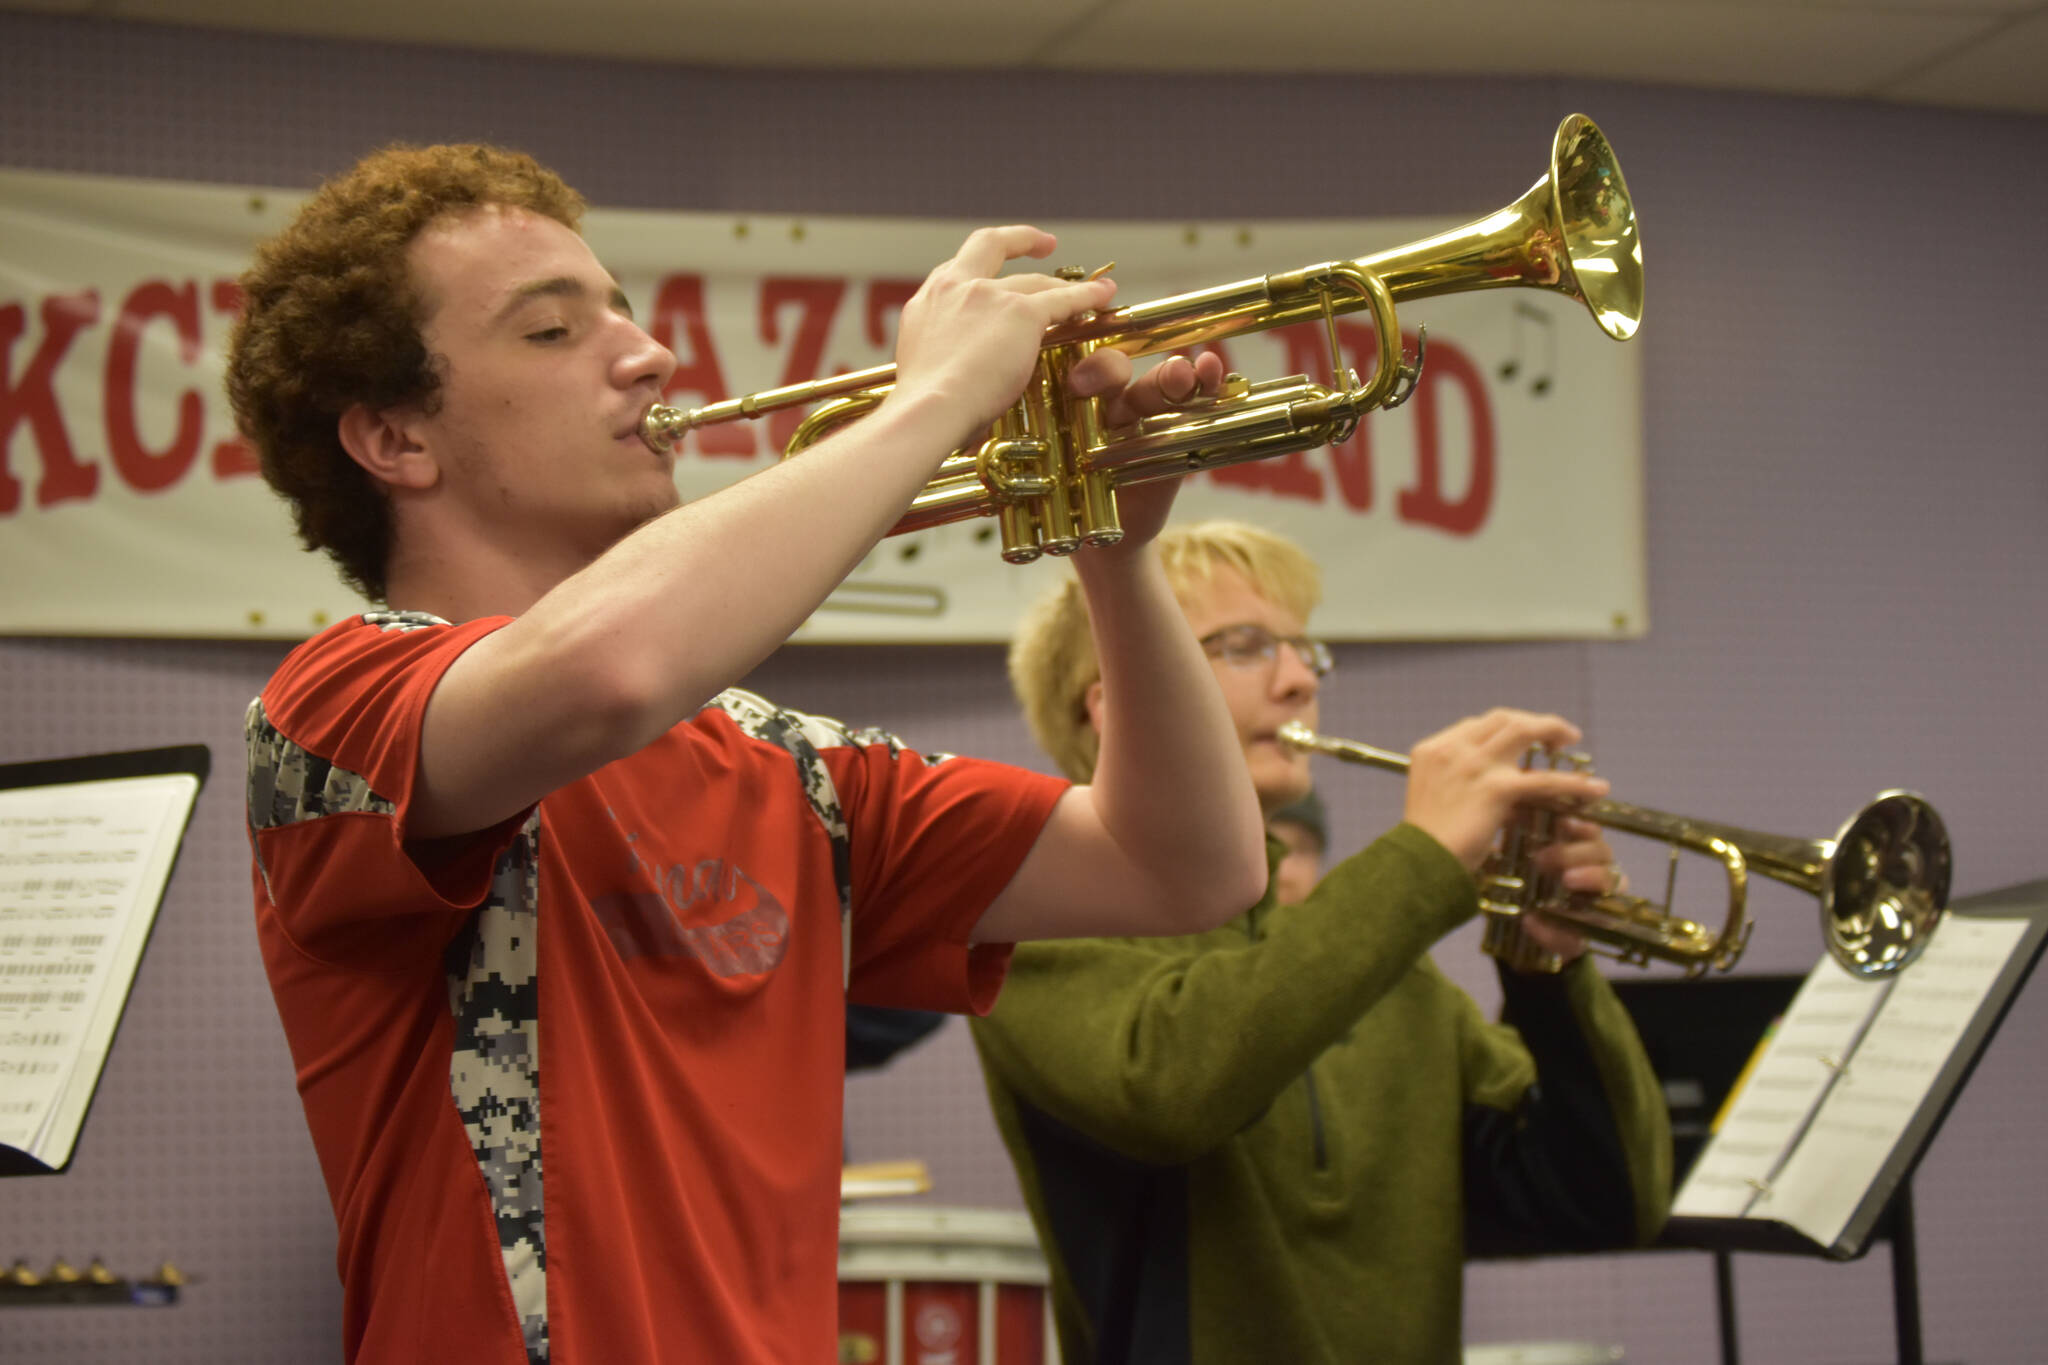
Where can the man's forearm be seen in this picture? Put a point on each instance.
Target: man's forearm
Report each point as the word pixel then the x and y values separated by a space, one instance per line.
pixel 1170 782
pixel 1585 1161
pixel 686 605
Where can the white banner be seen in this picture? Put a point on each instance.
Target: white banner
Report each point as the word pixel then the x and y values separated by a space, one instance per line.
pixel 1504 500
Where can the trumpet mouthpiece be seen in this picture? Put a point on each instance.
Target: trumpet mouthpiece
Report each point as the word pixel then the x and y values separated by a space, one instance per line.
pixel 663 427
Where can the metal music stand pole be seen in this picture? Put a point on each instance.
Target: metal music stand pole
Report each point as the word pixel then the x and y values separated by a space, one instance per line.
pixel 1724 1302
pixel 1905 1277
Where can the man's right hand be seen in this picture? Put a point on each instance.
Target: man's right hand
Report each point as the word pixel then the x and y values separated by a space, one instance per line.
pixel 1465 781
pixel 971 339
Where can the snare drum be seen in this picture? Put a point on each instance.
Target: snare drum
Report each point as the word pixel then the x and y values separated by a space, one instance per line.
pixel 940 1286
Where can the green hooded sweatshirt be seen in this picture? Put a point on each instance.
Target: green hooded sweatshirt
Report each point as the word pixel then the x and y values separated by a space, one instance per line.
pixel 1277 1141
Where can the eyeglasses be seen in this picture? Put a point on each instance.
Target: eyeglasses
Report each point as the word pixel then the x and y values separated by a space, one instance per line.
pixel 1249 646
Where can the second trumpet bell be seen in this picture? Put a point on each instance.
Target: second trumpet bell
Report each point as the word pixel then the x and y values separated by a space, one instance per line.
pixel 1882 881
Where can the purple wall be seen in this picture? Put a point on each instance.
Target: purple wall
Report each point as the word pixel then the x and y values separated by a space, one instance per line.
pixel 1846 482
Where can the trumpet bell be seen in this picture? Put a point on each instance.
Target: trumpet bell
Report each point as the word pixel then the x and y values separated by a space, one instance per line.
pixel 1597 225
pixel 1574 232
pixel 1886 883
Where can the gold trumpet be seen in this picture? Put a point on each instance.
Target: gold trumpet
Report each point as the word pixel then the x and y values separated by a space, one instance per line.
pixel 1882 880
pixel 1048 469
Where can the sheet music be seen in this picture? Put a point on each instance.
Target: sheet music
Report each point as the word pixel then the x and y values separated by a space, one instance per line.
pixel 1868 1110
pixel 1782 1096
pixel 82 868
pixel 1842 1079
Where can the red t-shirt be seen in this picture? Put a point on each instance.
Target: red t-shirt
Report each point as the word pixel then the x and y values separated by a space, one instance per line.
pixel 575 1082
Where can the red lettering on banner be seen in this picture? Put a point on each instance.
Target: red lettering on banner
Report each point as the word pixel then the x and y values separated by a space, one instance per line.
pixel 1287 476
pixel 885 300
pixel 1308 352
pixel 146 470
pixel 679 300
pixel 1284 476
pixel 34 399
pixel 1425 501
pixel 232 458
pixel 817 301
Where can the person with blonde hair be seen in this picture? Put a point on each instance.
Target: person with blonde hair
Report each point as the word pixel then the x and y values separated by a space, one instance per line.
pixel 1279 1139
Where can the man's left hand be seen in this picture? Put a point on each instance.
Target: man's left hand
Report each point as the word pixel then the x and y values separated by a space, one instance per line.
pixel 1583 863
pixel 1175 382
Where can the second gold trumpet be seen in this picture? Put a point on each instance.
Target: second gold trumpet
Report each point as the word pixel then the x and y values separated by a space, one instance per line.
pixel 1882 881
pixel 1048 470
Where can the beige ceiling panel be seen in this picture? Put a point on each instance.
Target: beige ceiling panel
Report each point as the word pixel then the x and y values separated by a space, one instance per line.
pixel 1812 48
pixel 1974 53
pixel 944 33
pixel 1988 9
pixel 2008 70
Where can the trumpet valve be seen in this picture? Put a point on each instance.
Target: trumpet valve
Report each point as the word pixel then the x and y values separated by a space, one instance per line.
pixel 1097 520
pixel 1023 535
pixel 1502 893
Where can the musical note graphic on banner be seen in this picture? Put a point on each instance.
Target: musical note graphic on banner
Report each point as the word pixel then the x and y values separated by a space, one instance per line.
pixel 1539 383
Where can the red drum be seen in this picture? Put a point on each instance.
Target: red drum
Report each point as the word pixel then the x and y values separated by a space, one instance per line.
pixel 920 1285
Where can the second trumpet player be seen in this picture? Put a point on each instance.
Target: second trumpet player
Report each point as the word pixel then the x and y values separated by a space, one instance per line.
pixel 1279 1139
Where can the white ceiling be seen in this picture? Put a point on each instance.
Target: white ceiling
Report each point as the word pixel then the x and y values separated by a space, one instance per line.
pixel 1979 54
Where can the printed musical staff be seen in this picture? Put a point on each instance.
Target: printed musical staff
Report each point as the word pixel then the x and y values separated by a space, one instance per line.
pixel 82 868
pixel 1840 1082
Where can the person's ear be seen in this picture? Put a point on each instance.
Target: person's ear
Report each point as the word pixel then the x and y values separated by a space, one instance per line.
pixel 1091 701
pixel 388 448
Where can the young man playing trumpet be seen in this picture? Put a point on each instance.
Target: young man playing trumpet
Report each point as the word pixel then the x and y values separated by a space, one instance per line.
pixel 561 927
pixel 1277 1140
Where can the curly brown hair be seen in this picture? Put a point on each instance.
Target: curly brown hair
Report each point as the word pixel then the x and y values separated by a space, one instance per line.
pixel 331 318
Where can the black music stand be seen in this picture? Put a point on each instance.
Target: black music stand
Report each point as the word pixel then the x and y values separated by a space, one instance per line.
pixel 1885 1209
pixel 1699 1033
pixel 87 847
